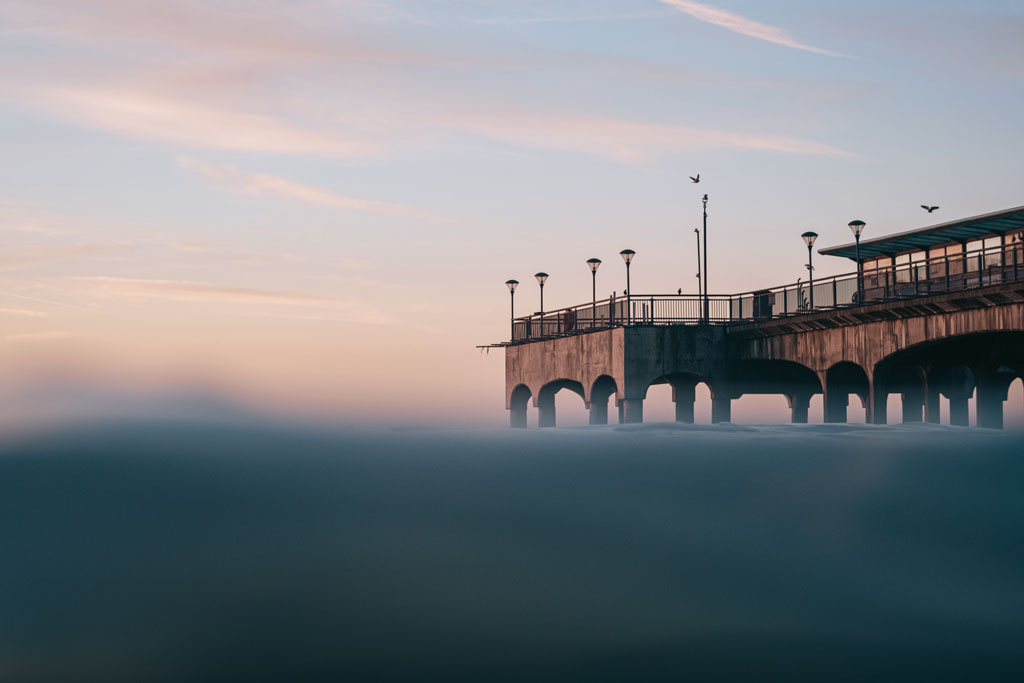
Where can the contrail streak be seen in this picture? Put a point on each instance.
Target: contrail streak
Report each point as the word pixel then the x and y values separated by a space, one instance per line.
pixel 744 26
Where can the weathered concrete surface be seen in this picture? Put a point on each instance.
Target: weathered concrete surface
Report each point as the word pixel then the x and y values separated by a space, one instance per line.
pixel 679 355
pixel 582 358
pixel 634 357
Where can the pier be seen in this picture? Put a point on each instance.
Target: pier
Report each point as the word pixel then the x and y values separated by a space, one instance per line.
pixel 930 314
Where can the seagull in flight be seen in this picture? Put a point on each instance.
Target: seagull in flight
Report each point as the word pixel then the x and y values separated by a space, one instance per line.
pixel 697 179
pixel 929 209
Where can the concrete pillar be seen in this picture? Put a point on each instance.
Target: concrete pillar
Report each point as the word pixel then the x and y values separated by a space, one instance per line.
pixel 599 412
pixel 989 403
pixel 799 405
pixel 721 410
pixel 684 397
pixel 517 416
pixel 912 402
pixel 958 413
pixel 546 408
pixel 958 388
pixel 879 399
pixel 836 401
pixel 633 410
pixel 621 405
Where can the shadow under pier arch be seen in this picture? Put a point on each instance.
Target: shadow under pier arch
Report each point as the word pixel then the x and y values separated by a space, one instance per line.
pixel 796 382
pixel 983 364
pixel 841 380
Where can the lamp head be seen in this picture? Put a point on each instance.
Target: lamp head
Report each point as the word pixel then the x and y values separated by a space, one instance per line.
pixel 809 238
pixel 857 227
pixel 512 284
pixel 627 255
pixel 593 263
pixel 541 278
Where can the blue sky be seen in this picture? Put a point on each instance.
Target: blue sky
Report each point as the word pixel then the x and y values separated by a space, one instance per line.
pixel 299 202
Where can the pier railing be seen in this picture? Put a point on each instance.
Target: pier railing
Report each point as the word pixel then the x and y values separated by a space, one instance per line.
pixel 914 278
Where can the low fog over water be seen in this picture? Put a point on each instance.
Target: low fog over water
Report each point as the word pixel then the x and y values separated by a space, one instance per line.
pixel 236 551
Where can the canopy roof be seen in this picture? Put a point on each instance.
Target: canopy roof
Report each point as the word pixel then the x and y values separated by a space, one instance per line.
pixel 914 240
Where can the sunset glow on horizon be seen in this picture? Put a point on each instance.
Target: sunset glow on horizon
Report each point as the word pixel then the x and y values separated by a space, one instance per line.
pixel 309 208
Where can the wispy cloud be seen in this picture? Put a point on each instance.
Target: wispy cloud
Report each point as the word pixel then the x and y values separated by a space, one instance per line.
pixel 23 312
pixel 201 99
pixel 279 31
pixel 622 139
pixel 40 300
pixel 744 26
pixel 206 292
pixel 261 184
pixel 156 117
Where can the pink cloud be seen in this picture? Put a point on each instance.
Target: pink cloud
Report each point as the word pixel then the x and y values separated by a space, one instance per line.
pixel 260 184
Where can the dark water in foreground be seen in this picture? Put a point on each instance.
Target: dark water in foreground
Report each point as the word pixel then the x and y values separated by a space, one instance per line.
pixel 198 552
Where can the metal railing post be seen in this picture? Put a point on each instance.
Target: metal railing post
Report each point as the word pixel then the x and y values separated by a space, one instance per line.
pixel 835 298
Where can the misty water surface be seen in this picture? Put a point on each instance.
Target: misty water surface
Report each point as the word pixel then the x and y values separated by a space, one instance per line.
pixel 188 551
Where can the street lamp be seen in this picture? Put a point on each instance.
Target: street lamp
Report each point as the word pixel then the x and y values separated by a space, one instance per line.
pixel 707 311
pixel 809 238
pixel 541 278
pixel 857 227
pixel 593 263
pixel 699 289
pixel 627 256
pixel 512 284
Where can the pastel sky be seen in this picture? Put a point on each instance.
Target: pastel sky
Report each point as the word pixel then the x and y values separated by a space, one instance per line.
pixel 311 206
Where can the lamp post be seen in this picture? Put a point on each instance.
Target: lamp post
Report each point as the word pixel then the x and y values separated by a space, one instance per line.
pixel 512 284
pixel 593 263
pixel 809 238
pixel 707 308
pixel 541 279
pixel 857 227
pixel 627 256
pixel 699 288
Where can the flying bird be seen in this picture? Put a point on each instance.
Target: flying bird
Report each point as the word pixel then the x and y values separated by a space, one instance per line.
pixel 697 179
pixel 929 209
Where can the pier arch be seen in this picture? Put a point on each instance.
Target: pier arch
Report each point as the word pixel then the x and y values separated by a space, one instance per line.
pixel 1015 403
pixel 546 399
pixel 603 388
pixel 841 380
pixel 518 401
pixel 683 386
pixel 982 363
pixel 797 382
